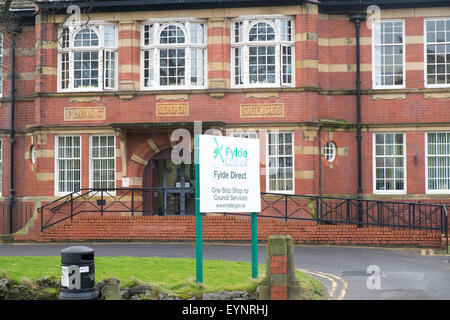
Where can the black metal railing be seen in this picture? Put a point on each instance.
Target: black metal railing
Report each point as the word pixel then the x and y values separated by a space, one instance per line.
pixel 317 209
pixel 117 201
pixel 364 213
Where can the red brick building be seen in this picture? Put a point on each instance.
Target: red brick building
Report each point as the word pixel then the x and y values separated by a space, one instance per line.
pixel 98 97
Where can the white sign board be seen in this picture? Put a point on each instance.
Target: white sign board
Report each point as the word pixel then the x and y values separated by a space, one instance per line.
pixel 229 174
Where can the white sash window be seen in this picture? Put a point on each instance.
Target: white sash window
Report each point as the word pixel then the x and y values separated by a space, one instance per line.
pixel 280 162
pixel 102 162
pixel 389 161
pixel 437 52
pixel 438 162
pixel 388 54
pixel 67 164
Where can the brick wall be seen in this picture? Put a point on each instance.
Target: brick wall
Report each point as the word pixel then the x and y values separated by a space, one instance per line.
pixel 325 58
pixel 227 229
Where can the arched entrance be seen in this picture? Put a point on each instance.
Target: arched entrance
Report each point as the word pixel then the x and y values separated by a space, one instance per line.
pixel 171 186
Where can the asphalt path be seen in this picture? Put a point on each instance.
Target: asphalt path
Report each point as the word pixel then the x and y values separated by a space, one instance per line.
pixel 348 273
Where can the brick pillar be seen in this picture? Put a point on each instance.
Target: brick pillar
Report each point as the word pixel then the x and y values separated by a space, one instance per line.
pixel 280 282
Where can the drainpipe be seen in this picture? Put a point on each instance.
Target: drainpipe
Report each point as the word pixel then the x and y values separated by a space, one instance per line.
pixel 11 137
pixel 320 158
pixel 357 18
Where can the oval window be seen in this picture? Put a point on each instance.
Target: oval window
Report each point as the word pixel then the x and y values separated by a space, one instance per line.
pixel 329 151
pixel 33 154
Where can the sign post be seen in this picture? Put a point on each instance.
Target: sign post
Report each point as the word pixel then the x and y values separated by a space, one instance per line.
pixel 226 181
pixel 254 246
pixel 198 215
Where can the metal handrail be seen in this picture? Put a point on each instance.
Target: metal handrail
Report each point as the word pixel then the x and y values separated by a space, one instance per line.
pixel 319 209
pixel 97 199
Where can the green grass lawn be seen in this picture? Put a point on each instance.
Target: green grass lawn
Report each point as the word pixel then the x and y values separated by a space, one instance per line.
pixel 175 275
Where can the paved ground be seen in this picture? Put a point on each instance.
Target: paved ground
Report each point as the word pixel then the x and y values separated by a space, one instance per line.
pixel 393 273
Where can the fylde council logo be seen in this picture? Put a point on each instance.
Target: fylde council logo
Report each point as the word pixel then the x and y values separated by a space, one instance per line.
pixel 230 156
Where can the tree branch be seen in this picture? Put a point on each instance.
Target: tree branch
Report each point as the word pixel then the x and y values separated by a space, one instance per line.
pixel 5 10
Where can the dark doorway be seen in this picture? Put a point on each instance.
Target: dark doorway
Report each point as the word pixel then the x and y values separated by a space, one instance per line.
pixel 172 186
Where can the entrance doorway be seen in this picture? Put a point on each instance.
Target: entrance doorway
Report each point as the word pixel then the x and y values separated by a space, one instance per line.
pixel 170 187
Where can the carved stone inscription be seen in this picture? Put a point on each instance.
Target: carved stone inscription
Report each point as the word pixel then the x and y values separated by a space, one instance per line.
pixel 172 109
pixel 262 110
pixel 81 114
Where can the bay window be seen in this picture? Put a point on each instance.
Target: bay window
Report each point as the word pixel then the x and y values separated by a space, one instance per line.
pixel 173 54
pixel 87 57
pixel 262 52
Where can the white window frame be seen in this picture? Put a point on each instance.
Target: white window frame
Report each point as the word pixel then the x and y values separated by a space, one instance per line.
pixel 330 151
pixel 268 163
pixel 56 174
pixel 91 167
pixel 98 27
pixel 248 134
pixel 431 191
pixel 374 166
pixel 374 45
pixel 425 43
pixel 33 154
pixel 248 22
pixel 155 47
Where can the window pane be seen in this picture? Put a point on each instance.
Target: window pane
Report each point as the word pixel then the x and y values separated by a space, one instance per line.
pixel 172 34
pixel 389 164
pixel 172 67
pixel 86 69
pixel 197 67
pixel 86 38
pixel 262 64
pixel 388 54
pixel 238 32
pixel 103 161
pixel 438 52
pixel 238 79
pixel 148 35
pixel 286 30
pixel 438 161
pixel 69 163
pixel 110 69
pixel 262 32
pixel 109 35
pixel 197 33
pixel 280 165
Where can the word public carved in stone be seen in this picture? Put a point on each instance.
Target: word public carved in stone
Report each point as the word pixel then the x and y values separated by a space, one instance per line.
pixel 262 110
pixel 172 109
pixel 80 114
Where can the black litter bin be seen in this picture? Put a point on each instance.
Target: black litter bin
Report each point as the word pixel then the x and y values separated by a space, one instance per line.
pixel 77 274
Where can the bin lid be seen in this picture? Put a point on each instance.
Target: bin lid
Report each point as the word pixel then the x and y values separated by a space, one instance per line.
pixel 77 255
